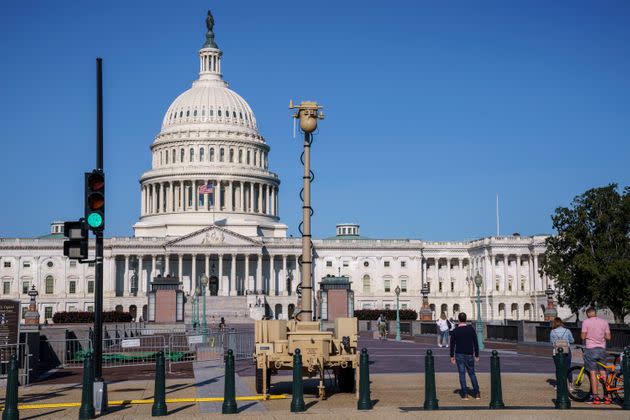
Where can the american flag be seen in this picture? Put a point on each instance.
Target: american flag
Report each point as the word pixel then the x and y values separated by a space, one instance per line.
pixel 206 189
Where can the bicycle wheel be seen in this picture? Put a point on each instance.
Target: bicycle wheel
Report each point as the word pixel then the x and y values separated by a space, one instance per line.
pixel 618 382
pixel 579 381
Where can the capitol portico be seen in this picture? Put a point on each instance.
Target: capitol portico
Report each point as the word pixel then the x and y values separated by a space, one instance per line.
pixel 210 205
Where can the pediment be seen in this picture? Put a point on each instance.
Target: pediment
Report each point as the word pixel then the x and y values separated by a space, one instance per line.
pixel 214 236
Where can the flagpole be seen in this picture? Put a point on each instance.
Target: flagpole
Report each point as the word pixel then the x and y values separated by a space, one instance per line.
pixel 498 215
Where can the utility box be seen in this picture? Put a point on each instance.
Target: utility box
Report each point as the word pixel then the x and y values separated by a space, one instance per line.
pixel 166 300
pixel 336 298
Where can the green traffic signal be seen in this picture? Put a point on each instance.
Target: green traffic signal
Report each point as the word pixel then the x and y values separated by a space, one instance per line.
pixel 95 220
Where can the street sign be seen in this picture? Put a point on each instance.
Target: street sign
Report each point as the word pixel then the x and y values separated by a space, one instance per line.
pixel 133 342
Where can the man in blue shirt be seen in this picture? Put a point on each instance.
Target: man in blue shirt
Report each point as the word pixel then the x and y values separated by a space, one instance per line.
pixel 464 347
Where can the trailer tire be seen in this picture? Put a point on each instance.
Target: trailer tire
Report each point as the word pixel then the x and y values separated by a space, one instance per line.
pixel 345 379
pixel 259 380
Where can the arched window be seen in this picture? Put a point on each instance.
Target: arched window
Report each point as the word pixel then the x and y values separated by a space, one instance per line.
pixel 173 155
pixel 366 284
pixel 50 285
pixel 203 112
pixel 212 154
pixel 219 113
pixel 192 155
pixel 195 113
pixel 211 112
pixel 255 157
pixel 231 155
pixel 160 157
pixel 181 155
pixel 248 157
pixel 240 156
pixel 188 113
pixel 234 114
pixel 181 114
pixel 222 155
pixel 201 155
pixel 240 114
pixel 166 153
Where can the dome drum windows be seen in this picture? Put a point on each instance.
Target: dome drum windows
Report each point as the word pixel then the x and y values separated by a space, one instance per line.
pixel 181 156
pixel 201 154
pixel 231 155
pixel 222 155
pixel 192 155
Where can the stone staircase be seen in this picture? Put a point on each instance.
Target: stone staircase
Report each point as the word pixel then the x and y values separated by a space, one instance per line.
pixel 233 308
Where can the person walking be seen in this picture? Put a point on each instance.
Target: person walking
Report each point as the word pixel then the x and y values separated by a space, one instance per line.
pixel 443 328
pixel 561 338
pixel 382 330
pixel 465 352
pixel 595 332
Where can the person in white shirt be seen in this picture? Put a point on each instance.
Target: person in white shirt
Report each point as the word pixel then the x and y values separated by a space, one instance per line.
pixel 443 331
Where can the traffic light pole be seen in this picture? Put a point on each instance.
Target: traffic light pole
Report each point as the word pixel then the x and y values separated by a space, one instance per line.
pixel 100 386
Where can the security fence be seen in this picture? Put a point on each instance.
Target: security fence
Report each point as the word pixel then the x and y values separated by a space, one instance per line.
pixel 136 350
pixel 22 353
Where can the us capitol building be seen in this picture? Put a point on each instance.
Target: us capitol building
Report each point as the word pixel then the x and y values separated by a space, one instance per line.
pixel 233 235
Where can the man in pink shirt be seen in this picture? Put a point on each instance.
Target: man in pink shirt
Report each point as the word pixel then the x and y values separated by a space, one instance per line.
pixel 595 332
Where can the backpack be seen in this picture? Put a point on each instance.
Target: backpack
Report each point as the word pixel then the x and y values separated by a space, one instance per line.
pixel 563 344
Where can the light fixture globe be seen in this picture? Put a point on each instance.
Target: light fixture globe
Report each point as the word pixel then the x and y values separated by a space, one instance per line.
pixel 397 290
pixel 204 280
pixel 478 280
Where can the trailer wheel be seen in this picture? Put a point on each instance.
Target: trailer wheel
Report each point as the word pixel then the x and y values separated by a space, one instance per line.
pixel 345 379
pixel 259 380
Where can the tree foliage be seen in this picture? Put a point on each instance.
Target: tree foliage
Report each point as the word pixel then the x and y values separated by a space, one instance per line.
pixel 589 257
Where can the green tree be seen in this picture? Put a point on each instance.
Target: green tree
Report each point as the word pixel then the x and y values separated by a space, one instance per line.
pixel 589 257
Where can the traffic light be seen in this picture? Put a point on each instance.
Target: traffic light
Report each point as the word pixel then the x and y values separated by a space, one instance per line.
pixel 76 246
pixel 95 200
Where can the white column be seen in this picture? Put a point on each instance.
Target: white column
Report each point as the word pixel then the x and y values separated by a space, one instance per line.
pixel 247 285
pixel 207 266
pixel 229 189
pixel 232 281
pixel 222 283
pixel 492 266
pixel 126 277
pixel 260 198
pixel 182 196
pixel 193 281
pixel 241 191
pixel 424 271
pixel 180 267
pixel 537 279
pixel 518 273
pixel 153 269
pixel 167 265
pixel 506 263
pixel 258 281
pixel 272 273
pixel 250 205
pixel 141 282
pixel 448 274
pixel 282 284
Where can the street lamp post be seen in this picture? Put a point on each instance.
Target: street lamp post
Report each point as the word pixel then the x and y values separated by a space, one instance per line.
pixel 397 291
pixel 197 298
pixel 204 283
pixel 478 281
pixel 194 310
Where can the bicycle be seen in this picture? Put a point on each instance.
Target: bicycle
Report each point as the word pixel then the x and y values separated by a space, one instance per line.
pixel 580 379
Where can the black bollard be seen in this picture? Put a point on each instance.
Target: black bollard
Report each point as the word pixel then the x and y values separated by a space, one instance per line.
pixel 626 377
pixel 159 392
pixel 496 394
pixel 430 399
pixel 365 402
pixel 297 402
pixel 87 396
pixel 562 390
pixel 229 394
pixel 11 401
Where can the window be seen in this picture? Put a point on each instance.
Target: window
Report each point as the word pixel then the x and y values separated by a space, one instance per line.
pixel 90 286
pixel 49 264
pixel 345 263
pixel 366 264
pixel 72 308
pixel 7 264
pixel 25 286
pixel 90 308
pixel 240 156
pixel 212 154
pixel 48 312
pixel 522 284
pixel 73 264
pixel 403 285
pixel 188 113
pixel 201 155
pixel 166 154
pixel 366 284
pixel 440 287
pixel 91 264
pixel 452 286
pixel 24 309
pixel 386 263
pixel 388 306
pixel 403 264
pixel 403 306
pixel 26 264
pixel 255 157
pixel 72 287
pixel 231 155
pixel 6 287
pixel 192 155
pixel 174 155
pixel 248 159
pixel 211 112
pixel 195 113
pixel 181 155
pixel 222 155
pixel 328 263
pixel 50 285
pixel 388 285
pixel 219 113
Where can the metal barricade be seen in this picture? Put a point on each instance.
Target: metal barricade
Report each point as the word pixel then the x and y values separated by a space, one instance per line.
pixel 195 347
pixel 140 350
pixel 21 350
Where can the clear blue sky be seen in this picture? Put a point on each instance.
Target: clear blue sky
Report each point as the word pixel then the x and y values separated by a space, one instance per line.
pixel 432 108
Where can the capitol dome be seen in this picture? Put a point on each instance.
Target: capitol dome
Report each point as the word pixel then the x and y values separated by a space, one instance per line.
pixel 209 162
